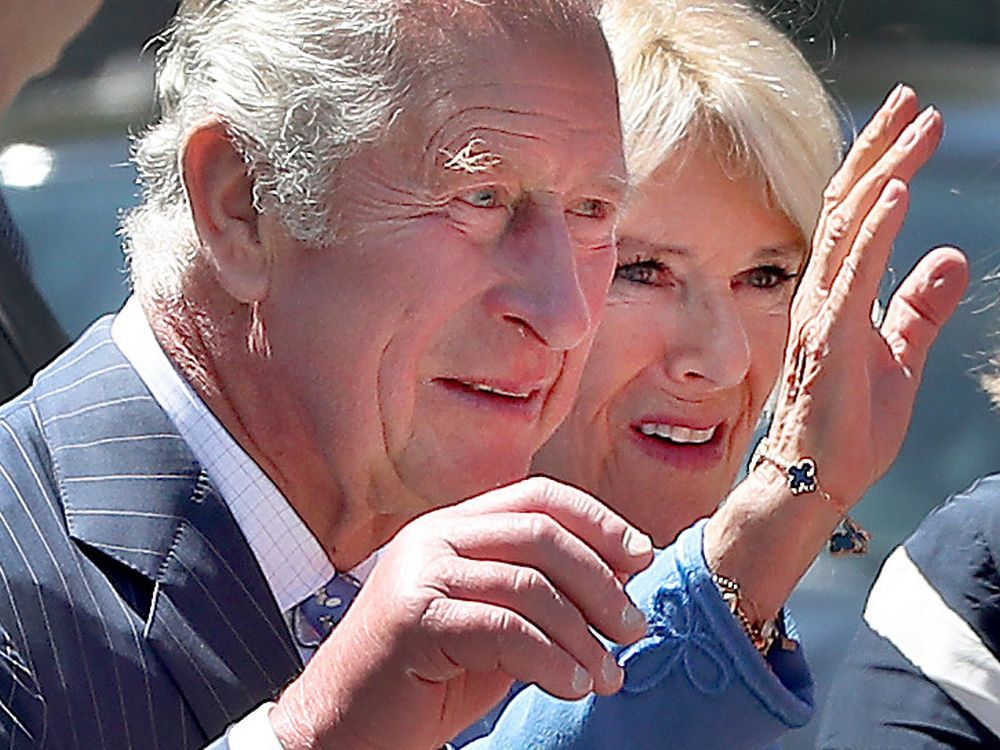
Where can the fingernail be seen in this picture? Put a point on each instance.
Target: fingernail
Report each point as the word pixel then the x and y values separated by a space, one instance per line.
pixel 632 618
pixel 611 673
pixel 893 192
pixel 895 96
pixel 911 134
pixel 581 680
pixel 637 543
pixel 927 117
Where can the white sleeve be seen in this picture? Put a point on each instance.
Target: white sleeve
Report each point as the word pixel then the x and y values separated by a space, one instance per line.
pixel 252 732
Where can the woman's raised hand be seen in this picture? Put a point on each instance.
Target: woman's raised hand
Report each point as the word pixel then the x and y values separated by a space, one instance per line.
pixel 847 391
pixel 848 387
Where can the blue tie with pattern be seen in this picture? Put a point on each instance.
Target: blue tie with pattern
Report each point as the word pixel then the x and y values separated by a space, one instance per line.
pixel 314 618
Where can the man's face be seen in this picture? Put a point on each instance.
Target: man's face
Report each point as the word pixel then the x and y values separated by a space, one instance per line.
pixel 439 339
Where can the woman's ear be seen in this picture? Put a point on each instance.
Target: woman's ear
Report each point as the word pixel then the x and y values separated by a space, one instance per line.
pixel 220 192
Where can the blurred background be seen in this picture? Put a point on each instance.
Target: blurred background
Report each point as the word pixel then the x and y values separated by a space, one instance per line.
pixel 64 169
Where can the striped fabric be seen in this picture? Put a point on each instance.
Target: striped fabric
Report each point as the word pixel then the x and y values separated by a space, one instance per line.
pixel 924 669
pixel 132 612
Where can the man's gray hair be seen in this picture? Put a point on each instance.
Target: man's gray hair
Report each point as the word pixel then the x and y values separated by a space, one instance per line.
pixel 299 84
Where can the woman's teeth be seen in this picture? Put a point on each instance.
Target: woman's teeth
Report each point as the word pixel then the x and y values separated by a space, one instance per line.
pixel 675 434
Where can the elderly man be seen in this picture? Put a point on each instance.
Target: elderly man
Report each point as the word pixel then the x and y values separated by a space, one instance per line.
pixel 367 267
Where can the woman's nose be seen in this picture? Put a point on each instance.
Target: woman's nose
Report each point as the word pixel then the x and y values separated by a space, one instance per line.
pixel 711 347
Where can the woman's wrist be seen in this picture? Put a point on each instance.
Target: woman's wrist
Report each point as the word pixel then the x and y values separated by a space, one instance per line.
pixel 765 537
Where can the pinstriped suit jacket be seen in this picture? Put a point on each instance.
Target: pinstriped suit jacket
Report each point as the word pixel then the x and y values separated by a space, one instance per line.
pixel 132 611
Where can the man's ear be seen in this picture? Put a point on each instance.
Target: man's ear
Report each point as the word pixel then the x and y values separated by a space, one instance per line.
pixel 220 192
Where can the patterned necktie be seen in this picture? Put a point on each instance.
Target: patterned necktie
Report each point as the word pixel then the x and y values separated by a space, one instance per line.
pixel 314 618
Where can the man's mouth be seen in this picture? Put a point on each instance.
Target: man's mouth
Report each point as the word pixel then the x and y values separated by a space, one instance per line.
pixel 520 399
pixel 497 391
pixel 677 434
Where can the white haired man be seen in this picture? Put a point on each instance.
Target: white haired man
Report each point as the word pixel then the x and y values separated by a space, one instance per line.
pixel 367 268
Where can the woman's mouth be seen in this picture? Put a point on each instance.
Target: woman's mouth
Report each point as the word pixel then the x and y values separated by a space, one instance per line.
pixel 677 434
pixel 685 446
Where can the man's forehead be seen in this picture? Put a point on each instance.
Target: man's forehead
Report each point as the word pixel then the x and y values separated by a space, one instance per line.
pixel 490 16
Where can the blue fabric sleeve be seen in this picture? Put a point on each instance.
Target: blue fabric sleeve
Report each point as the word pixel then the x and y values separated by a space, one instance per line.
pixel 695 681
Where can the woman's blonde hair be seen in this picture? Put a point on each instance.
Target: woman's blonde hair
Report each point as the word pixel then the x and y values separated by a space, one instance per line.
pixel 718 70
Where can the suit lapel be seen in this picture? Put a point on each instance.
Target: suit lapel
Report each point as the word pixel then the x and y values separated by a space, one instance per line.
pixel 133 491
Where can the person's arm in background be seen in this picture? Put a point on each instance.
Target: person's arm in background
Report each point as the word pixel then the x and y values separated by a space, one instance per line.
pixel 923 670
pixel 33 34
pixel 845 400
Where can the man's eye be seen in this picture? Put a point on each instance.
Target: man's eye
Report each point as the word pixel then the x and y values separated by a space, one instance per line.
pixel 768 277
pixel 483 198
pixel 592 208
pixel 647 272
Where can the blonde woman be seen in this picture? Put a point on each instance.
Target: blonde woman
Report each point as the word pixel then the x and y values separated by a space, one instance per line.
pixel 730 139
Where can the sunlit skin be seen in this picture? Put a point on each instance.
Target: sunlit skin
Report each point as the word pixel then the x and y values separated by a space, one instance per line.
pixel 427 352
pixel 32 36
pixel 692 337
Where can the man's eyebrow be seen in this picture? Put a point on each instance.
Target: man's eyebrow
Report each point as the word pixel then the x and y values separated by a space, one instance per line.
pixel 611 184
pixel 472 158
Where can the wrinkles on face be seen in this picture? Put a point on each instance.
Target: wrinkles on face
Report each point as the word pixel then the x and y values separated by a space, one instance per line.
pixel 696 251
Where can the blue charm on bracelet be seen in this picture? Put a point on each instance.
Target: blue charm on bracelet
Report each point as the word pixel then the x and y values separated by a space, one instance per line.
pixel 802 476
pixel 849 538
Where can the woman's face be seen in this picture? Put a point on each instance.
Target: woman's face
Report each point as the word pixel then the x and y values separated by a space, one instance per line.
pixel 690 347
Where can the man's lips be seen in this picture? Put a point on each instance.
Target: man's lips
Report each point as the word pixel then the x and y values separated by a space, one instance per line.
pixel 518 398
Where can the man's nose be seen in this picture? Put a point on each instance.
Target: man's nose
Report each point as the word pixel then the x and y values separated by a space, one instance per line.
pixel 542 291
pixel 710 346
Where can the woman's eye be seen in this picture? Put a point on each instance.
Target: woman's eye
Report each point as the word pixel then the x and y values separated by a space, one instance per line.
pixel 648 272
pixel 768 277
pixel 592 208
pixel 483 198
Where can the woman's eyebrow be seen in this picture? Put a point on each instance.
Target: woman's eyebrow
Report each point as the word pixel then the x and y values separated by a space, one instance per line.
pixel 781 252
pixel 652 248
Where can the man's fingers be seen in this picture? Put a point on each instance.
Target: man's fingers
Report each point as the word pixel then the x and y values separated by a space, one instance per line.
pixel 923 304
pixel 860 275
pixel 536 540
pixel 910 152
pixel 478 637
pixel 531 595
pixel 622 546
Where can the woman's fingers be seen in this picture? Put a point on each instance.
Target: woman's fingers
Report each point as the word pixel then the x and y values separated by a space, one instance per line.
pixel 529 593
pixel 911 150
pixel 898 111
pixel 923 304
pixel 860 274
pixel 537 541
